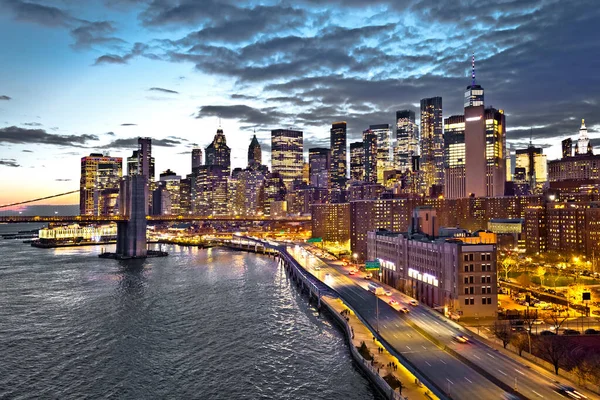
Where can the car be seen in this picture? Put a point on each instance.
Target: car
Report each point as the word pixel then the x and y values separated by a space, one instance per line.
pixel 571 332
pixel 592 331
pixel 596 312
pixel 387 292
pixel 461 339
pixel 568 391
pixel 547 333
pixel 352 272
pixel 327 276
pixel 404 310
pixel 368 275
pixel 537 322
pixel 317 268
pixel 413 302
pixel 392 302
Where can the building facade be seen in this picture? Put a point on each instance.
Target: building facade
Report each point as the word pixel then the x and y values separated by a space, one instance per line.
pixel 286 155
pixel 218 153
pixel 254 152
pixel 357 161
pixel 339 163
pixel 432 142
pixel 99 184
pixel 331 222
pixel 319 164
pixel 370 156
pixel 407 140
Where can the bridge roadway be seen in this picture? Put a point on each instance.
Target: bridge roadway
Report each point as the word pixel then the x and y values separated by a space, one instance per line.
pixel 461 380
pixel 150 218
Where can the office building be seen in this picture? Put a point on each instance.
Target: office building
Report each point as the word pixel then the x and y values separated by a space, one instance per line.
pixel 567 148
pixel 331 222
pixel 454 157
pixel 319 163
pixel 275 190
pixel 495 154
pixel 357 161
pixel 209 190
pixel 370 155
pixel 218 153
pixel 452 270
pixel 474 95
pixel 254 152
pixel 99 184
pixel 196 157
pixel 579 169
pixel 432 142
pixel 171 182
pixel 533 165
pixel 383 132
pixel 339 163
pixel 407 140
pixel 286 155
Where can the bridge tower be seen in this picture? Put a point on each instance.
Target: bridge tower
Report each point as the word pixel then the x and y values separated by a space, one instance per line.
pixel 133 200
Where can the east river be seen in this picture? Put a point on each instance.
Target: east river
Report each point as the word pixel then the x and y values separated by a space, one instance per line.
pixel 199 324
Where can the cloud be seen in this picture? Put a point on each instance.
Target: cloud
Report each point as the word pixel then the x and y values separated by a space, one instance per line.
pixel 89 34
pixel 4 97
pixel 128 124
pixel 16 135
pixel 9 162
pixel 27 151
pixel 63 180
pixel 110 134
pixel 38 13
pixel 32 124
pixel 132 143
pixel 157 89
pixel 245 114
pixel 138 49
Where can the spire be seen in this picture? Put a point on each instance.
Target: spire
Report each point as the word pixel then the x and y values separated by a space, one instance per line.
pixel 473 70
pixel 219 122
pixel 583 124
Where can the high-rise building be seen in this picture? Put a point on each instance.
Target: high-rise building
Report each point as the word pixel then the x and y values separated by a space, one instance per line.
pixel 210 190
pixel 432 143
pixel 384 149
pixel 567 148
pixel 319 162
pixel 535 166
pixel 583 141
pixel 474 92
pixel 407 139
pixel 99 184
pixel 196 157
pixel 370 157
pixel 146 161
pixel 495 154
pixel 454 157
pixel 286 155
pixel 254 152
pixel 357 161
pixel 339 163
pixel 275 191
pixel 172 184
pixel 218 153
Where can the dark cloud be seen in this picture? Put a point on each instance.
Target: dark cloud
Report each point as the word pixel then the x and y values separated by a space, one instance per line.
pixel 128 124
pixel 110 134
pixel 27 151
pixel 245 114
pixel 157 89
pixel 16 135
pixel 38 13
pixel 132 143
pixel 63 180
pixel 9 162
pixel 138 49
pixel 32 124
pixel 4 97
pixel 95 33
pixel 237 96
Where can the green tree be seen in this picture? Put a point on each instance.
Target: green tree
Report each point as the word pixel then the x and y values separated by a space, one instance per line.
pixel 508 265
pixel 540 272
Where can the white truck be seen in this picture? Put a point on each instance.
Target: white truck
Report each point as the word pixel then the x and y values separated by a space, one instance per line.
pixel 375 288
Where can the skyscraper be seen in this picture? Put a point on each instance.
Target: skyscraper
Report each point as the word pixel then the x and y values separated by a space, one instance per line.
pixel 370 157
pixel 338 155
pixel 218 153
pixel 357 161
pixel 474 92
pixel 384 149
pixel 454 157
pixel 286 155
pixel 146 162
pixel 254 152
pixel 535 166
pixel 583 141
pixel 196 158
pixel 319 162
pixel 475 152
pixel 432 142
pixel 99 184
pixel 495 154
pixel 567 148
pixel 407 139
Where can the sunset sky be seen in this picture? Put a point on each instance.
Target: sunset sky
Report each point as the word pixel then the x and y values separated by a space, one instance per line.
pixel 91 76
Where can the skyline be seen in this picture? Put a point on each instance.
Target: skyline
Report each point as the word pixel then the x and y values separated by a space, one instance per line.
pixel 68 68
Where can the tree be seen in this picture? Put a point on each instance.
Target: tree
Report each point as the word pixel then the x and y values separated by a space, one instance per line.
pixel 508 264
pixel 503 332
pixel 521 342
pixel 540 272
pixel 557 320
pixel 553 349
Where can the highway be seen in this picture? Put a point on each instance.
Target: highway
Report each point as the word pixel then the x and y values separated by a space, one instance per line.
pixel 449 373
pixel 456 379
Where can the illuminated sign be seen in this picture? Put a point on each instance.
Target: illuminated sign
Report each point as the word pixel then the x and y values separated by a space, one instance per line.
pixel 429 279
pixel 471 119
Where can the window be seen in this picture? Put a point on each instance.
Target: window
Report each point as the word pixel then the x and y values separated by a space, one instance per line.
pixel 489 300
pixel 483 290
pixel 489 257
pixel 466 268
pixel 470 257
pixel 466 302
pixel 483 279
pixel 471 268
pixel 466 290
pixel 471 290
pixel 483 300
pixel 483 257
pixel 472 301
pixel 470 279
pixel 489 279
pixel 466 257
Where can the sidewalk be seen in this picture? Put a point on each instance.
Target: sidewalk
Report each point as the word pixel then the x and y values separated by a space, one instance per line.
pixel 384 363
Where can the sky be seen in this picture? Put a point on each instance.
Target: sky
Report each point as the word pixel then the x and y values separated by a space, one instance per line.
pixel 78 77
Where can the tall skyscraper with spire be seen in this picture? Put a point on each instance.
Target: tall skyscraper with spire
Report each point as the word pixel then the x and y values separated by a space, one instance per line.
pixel 254 152
pixel 474 92
pixel 218 153
pixel 583 142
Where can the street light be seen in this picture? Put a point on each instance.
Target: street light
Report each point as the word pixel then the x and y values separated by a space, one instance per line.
pixel 355 256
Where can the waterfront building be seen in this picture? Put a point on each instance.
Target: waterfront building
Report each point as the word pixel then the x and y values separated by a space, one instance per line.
pixel 210 190
pixel 75 232
pixel 383 132
pixel 286 155
pixel 407 140
pixel 357 161
pixel 319 163
pixel 99 184
pixel 218 153
pixel 185 194
pixel 331 222
pixel 449 269
pixel 370 157
pixel 254 152
pixel 339 163
pixel 196 157
pixel 432 142
pixel 172 183
pixel 249 194
pixel 161 200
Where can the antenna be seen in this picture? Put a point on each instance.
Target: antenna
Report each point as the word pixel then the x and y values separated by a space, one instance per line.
pixel 219 121
pixel 531 136
pixel 473 70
